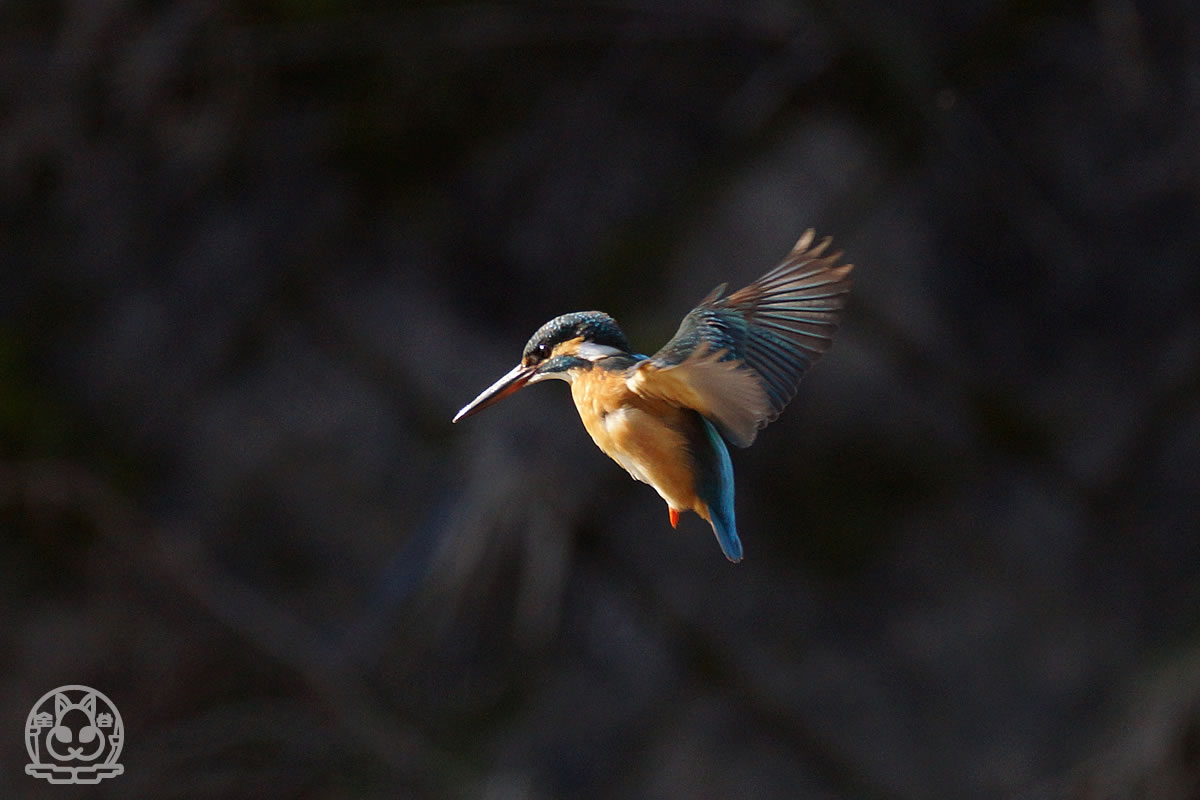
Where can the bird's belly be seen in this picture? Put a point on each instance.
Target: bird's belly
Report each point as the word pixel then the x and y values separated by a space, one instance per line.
pixel 650 449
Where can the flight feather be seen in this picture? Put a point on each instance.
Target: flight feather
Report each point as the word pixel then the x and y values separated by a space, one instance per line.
pixel 738 359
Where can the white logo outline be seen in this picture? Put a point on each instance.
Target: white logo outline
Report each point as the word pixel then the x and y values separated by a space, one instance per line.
pixel 51 751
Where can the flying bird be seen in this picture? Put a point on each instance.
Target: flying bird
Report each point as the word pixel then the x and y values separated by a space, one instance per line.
pixel 730 370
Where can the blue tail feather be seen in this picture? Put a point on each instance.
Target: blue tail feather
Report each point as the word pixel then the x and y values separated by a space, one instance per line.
pixel 715 488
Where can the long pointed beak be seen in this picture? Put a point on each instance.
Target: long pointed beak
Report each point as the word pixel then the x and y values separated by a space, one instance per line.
pixel 517 377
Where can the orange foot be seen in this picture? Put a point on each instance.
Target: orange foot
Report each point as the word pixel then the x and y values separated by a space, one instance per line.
pixel 674 515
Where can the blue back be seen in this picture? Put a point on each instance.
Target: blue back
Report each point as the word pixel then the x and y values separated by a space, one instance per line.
pixel 715 488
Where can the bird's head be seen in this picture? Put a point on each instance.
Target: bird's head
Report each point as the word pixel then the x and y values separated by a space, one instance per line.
pixel 558 348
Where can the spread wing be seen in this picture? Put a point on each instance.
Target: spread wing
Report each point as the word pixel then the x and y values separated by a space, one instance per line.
pixel 738 360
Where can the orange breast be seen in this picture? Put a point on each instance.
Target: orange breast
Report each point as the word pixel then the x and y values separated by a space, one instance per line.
pixel 646 437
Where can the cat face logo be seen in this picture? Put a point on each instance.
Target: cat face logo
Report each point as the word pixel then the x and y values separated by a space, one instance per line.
pixel 74 734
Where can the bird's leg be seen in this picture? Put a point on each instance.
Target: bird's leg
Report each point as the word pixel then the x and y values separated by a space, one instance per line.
pixel 674 515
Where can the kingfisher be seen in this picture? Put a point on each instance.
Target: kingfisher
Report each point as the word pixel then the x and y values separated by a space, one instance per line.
pixel 730 369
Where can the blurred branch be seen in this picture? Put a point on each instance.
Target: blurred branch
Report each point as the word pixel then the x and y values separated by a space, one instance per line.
pixel 178 561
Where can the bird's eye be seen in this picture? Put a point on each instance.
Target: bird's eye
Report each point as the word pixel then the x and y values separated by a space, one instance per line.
pixel 542 351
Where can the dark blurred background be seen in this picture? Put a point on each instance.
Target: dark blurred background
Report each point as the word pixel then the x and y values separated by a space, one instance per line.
pixel 256 255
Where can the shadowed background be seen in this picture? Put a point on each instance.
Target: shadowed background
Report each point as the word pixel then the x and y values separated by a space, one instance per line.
pixel 256 255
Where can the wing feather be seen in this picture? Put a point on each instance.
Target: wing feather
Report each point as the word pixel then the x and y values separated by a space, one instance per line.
pixel 738 360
